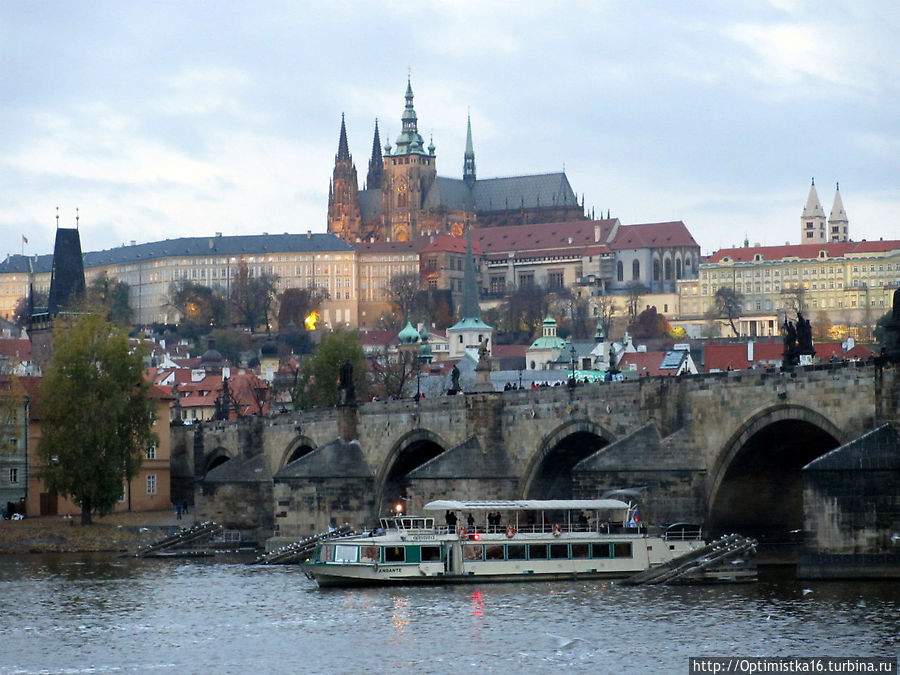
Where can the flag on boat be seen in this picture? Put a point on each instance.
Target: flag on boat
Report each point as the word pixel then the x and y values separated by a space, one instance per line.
pixel 24 239
pixel 635 519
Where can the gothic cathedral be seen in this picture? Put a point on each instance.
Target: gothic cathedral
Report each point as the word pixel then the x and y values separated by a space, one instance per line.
pixel 404 198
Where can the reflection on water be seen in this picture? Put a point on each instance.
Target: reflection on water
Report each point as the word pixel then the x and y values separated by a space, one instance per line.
pixel 79 614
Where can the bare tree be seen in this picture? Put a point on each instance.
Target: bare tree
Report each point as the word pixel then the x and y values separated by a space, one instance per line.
pixel 251 296
pixel 402 291
pixel 727 304
pixel 605 308
pixel 636 291
pixel 794 300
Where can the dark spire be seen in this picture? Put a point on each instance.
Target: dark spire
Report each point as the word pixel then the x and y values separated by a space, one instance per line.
pixel 376 163
pixel 469 158
pixel 470 308
pixel 343 153
pixel 67 271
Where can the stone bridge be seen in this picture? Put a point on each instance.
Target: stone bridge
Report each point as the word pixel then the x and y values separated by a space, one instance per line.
pixel 722 449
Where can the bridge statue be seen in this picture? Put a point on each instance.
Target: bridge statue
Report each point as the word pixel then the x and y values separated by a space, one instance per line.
pixel 346 386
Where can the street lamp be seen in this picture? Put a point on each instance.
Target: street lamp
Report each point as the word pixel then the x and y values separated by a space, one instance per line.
pixel 572 379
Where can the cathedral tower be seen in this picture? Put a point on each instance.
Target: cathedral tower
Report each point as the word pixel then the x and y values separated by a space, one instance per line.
pixel 838 225
pixel 344 217
pixel 409 172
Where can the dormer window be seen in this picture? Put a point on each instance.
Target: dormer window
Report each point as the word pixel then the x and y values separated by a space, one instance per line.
pixel 758 257
pixel 823 254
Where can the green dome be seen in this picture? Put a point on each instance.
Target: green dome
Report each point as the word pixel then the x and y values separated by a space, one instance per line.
pixel 408 335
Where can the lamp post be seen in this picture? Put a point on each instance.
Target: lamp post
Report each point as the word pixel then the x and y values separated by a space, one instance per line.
pixel 572 379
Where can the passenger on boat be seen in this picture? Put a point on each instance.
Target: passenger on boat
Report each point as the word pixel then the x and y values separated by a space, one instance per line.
pixel 470 521
pixel 451 520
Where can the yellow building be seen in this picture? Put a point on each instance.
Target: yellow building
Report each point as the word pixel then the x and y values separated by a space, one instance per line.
pixel 845 286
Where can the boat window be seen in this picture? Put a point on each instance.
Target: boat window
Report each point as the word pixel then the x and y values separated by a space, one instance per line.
pixel 581 551
pixel 431 554
pixel 473 552
pixel 394 554
pixel 370 554
pixel 622 549
pixel 559 551
pixel 600 550
pixel 537 551
pixel 346 554
pixel 493 552
pixel 515 552
pixel 327 553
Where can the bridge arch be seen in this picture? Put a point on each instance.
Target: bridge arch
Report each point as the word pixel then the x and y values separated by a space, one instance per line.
pixel 755 482
pixel 218 456
pixel 549 470
pixel 300 446
pixel 409 452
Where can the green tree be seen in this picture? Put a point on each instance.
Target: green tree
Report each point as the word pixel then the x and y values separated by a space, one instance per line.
pixel 728 304
pixel 111 295
pixel 97 414
pixel 199 306
pixel 317 383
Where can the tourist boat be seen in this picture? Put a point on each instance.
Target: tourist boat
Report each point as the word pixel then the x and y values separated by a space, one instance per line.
pixel 483 541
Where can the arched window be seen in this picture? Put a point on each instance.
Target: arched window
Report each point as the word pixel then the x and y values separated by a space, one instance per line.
pixel 636 270
pixel 668 269
pixel 687 264
pixel 620 273
pixel 678 268
pixel 656 270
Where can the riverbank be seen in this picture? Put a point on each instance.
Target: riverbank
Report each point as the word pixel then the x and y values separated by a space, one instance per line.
pixel 117 532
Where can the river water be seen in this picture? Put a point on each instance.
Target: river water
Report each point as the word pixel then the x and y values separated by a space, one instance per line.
pixel 100 614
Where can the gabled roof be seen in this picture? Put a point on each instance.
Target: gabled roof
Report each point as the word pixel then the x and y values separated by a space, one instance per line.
pixel 733 355
pixel 370 204
pixel 653 235
pixel 450 193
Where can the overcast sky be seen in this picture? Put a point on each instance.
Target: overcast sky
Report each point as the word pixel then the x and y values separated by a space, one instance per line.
pixel 166 119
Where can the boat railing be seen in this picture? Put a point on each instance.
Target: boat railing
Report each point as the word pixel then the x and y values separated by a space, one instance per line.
pixel 546 529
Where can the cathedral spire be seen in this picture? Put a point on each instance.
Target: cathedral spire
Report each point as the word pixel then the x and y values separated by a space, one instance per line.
pixel 343 153
pixel 469 158
pixel 812 220
pixel 376 163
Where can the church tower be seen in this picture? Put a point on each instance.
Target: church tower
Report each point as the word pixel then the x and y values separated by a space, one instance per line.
pixel 344 217
pixel 812 222
pixel 409 172
pixel 838 225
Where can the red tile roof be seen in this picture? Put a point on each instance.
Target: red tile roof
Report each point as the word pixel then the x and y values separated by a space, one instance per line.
pixel 837 249
pixel 733 355
pixel 653 235
pixel 541 237
pixel 647 363
pixel 16 348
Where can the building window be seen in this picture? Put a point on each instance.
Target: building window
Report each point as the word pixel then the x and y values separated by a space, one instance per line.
pixel 526 280
pixel 151 484
pixel 636 270
pixel 656 270
pixel 620 273
pixel 13 475
pixel 555 279
pixel 151 452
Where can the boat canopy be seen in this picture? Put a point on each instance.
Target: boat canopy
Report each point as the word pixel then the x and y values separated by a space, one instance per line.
pixel 528 505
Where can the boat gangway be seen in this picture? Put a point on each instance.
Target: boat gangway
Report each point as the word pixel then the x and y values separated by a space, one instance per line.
pixel 729 559
pixel 298 551
pixel 183 542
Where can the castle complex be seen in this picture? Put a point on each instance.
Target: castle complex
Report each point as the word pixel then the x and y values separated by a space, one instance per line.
pixel 404 199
